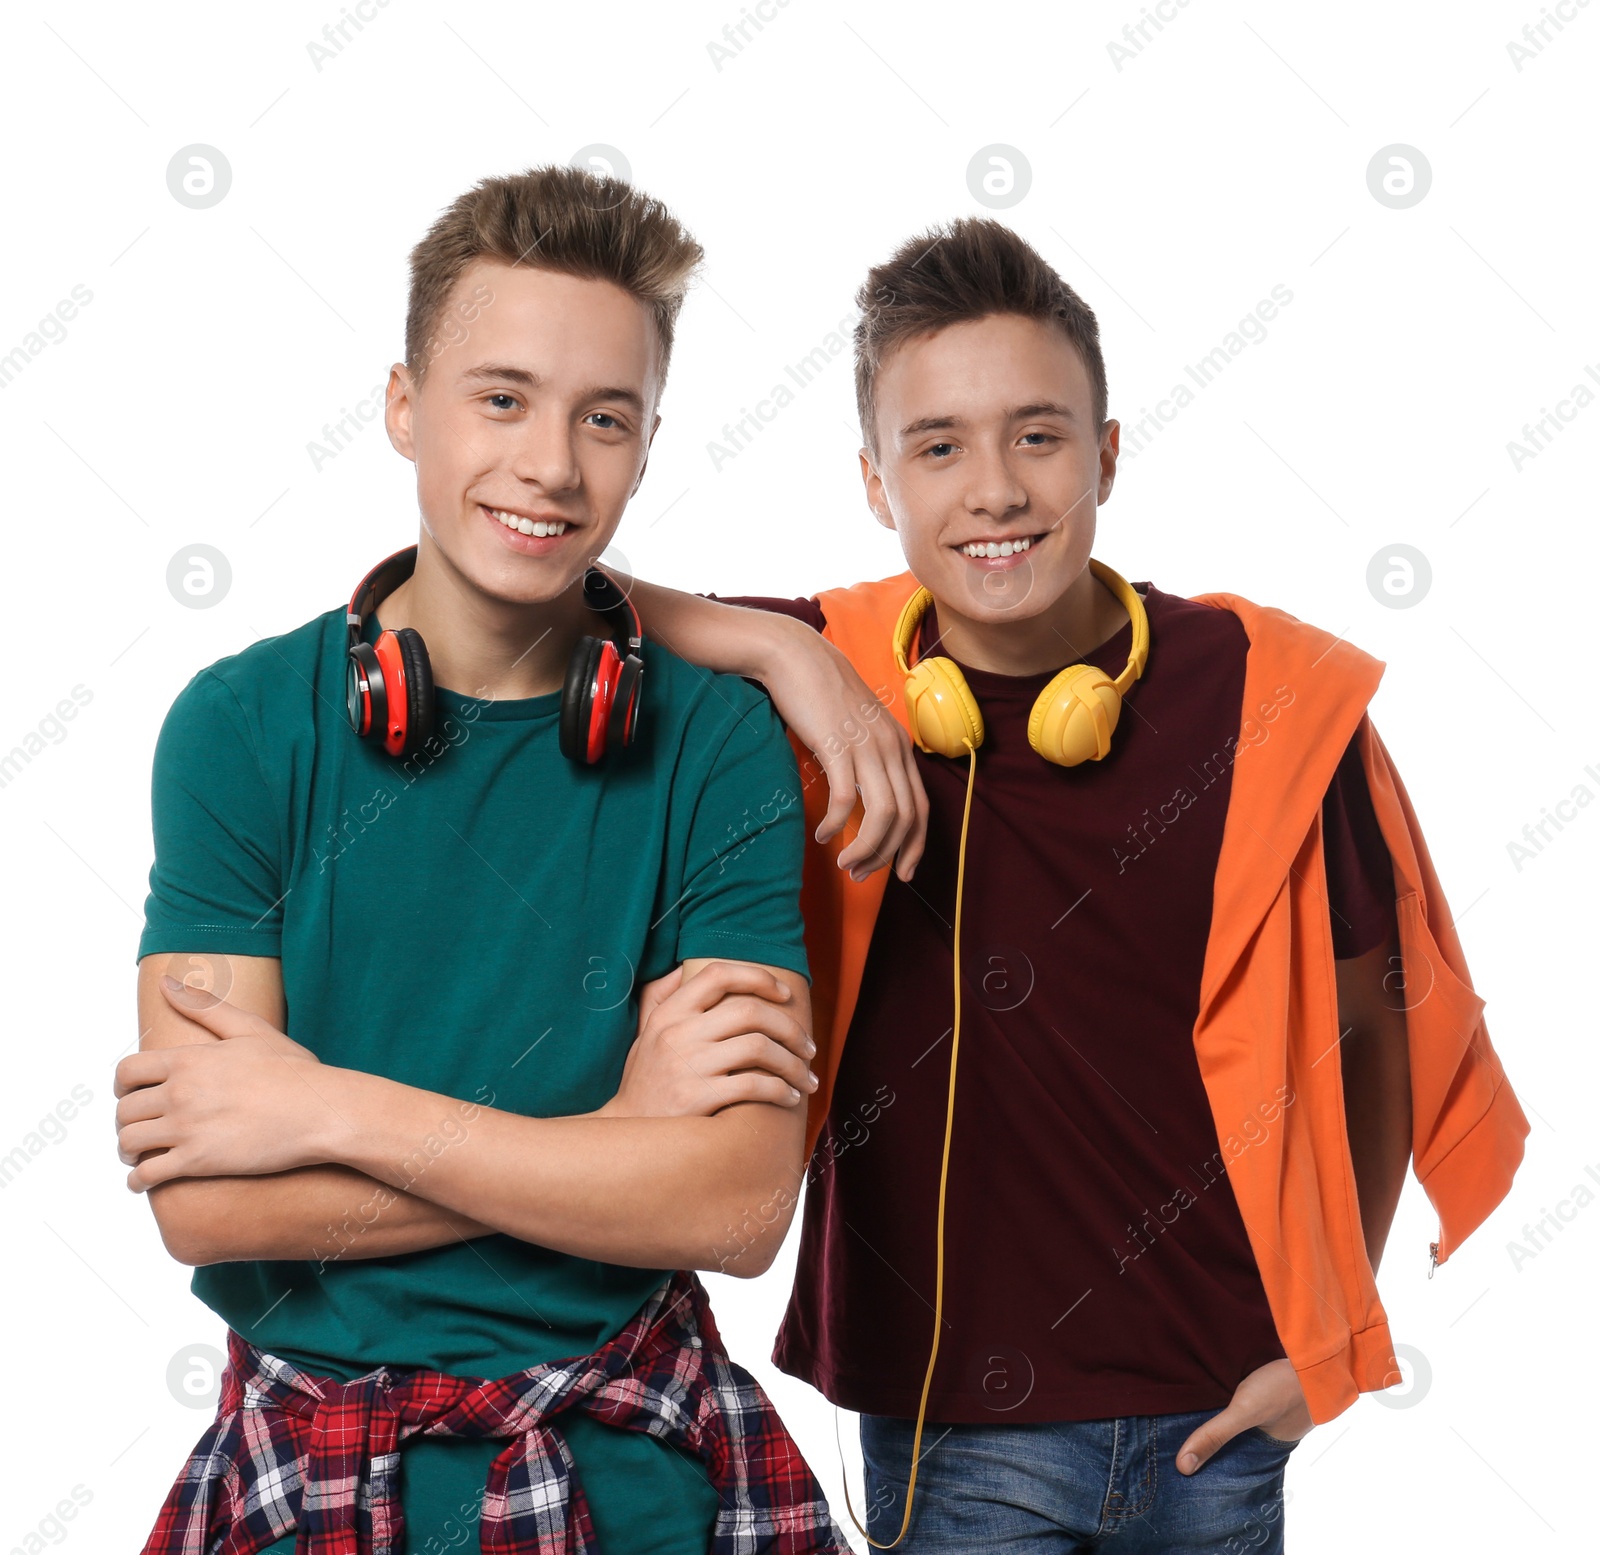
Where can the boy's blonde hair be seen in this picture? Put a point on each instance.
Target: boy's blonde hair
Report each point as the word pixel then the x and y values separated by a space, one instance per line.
pixel 556 218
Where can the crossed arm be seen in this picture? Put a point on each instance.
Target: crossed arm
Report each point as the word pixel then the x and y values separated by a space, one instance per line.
pixel 246 1158
pixel 662 1191
pixel 251 1148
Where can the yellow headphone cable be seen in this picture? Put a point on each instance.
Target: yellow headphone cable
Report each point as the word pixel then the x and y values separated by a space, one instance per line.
pixel 944 1175
pixel 1072 721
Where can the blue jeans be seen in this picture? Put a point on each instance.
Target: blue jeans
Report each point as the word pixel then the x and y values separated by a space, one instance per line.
pixel 1074 1485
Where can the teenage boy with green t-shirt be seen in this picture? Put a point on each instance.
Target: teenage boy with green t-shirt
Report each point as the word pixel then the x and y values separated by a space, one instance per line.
pixel 1143 1212
pixel 476 1036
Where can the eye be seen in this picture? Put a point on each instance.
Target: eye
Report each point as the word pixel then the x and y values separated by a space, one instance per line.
pixel 935 449
pixel 1044 437
pixel 510 399
pixel 604 420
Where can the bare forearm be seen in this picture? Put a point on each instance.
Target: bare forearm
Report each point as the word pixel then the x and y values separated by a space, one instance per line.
pixel 1375 1063
pixel 376 1168
pixel 1377 1073
pixel 320 1213
pixel 682 1192
pixel 727 638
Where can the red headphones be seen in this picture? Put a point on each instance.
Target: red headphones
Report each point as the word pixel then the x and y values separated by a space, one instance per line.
pixel 389 683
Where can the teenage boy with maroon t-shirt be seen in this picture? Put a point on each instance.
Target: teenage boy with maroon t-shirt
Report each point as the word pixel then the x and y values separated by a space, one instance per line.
pixel 1164 1208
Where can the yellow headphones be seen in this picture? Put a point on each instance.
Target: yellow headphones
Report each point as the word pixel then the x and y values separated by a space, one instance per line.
pixel 1072 721
pixel 1074 716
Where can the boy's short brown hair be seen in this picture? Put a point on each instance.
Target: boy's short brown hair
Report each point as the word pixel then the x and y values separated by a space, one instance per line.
pixel 969 269
pixel 557 218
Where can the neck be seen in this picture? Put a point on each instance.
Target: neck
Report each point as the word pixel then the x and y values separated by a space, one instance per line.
pixel 1085 615
pixel 479 646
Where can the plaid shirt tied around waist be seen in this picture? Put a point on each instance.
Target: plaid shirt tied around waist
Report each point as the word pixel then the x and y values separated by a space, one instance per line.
pixel 290 1451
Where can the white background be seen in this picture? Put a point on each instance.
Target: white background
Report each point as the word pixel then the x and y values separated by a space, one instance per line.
pixel 1227 156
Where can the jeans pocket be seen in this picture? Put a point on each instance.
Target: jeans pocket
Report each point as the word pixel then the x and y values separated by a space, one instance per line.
pixel 1274 1441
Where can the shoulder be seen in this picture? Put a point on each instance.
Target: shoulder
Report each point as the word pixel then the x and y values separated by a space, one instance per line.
pixel 873 595
pixel 1203 623
pixel 1294 642
pixel 259 684
pixel 703 711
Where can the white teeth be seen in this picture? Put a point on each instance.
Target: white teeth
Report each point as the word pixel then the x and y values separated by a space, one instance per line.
pixel 996 548
pixel 530 526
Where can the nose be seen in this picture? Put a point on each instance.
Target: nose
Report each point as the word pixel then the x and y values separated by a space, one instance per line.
pixel 993 488
pixel 545 454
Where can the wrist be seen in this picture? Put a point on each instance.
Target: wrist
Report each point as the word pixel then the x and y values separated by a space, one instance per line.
pixel 774 641
pixel 367 1122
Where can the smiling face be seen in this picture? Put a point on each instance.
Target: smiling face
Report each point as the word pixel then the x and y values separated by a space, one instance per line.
pixel 989 466
pixel 531 426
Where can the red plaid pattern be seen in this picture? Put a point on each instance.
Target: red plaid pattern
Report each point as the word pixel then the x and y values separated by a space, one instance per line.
pixel 291 1451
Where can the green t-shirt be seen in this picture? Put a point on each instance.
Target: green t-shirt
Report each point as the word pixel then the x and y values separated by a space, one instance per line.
pixel 476 921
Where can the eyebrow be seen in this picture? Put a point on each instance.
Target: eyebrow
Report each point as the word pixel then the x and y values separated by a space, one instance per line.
pixel 502 373
pixel 929 424
pixel 1021 413
pixel 496 370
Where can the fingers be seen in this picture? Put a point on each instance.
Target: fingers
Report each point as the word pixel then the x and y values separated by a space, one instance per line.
pixel 1210 1438
pixel 755 1087
pixel 841 774
pixel 150 1067
pixel 660 987
pixel 165 1167
pixel 741 1014
pixel 741 1032
pixel 138 1105
pixel 752 1052
pixel 917 836
pixel 653 993
pixel 887 816
pixel 894 816
pixel 717 980
pixel 905 810
pixel 136 1138
pixel 863 751
pixel 204 1009
pixel 738 1016
pixel 865 851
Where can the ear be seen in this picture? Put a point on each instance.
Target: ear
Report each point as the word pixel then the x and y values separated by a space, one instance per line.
pixel 877 498
pixel 1110 447
pixel 398 409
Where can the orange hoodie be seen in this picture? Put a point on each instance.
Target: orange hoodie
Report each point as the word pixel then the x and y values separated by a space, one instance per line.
pixel 1268 1005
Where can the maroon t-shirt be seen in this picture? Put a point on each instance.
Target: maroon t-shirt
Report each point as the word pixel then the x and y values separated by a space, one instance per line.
pixel 1095 1260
